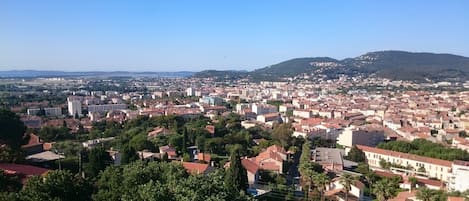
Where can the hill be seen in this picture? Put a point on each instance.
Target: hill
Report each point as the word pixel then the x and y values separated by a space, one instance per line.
pixel 395 65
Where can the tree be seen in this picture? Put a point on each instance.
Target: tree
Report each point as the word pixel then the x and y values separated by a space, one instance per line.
pixel 128 155
pixel 9 183
pixel 385 189
pixel 58 185
pixel 236 175
pixel 282 133
pixel 98 159
pixel 413 182
pixel 425 194
pixel 355 154
pixel 321 181
pixel 12 129
pixel 346 181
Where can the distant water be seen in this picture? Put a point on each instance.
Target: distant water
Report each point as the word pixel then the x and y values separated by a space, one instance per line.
pixel 46 74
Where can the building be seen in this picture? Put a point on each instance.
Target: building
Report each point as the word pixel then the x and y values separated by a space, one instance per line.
pixel 429 167
pixel 53 111
pixel 459 180
pixel 190 92
pixel 331 159
pixel 74 107
pixel 263 109
pixel 268 117
pixel 48 111
pixel 106 107
pixel 211 100
pixel 360 136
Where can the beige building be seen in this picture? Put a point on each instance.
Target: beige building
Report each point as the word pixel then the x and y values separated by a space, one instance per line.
pixel 434 168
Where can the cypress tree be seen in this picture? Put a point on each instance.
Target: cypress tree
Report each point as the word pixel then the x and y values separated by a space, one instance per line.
pixel 236 176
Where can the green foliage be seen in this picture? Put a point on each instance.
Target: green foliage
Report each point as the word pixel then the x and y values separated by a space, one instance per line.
pixel 282 133
pixel 9 183
pixel 128 155
pixel 60 185
pixel 346 180
pixel 236 176
pixel 355 154
pixel 50 133
pixel 98 159
pixel 426 148
pixel 12 129
pixel 161 181
pixel 386 189
pixel 69 148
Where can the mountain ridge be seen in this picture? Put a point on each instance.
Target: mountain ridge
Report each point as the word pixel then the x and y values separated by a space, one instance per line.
pixel 391 64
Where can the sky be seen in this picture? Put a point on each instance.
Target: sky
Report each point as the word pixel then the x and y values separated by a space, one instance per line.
pixel 176 35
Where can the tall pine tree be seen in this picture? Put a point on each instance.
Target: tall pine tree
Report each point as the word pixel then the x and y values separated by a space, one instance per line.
pixel 236 176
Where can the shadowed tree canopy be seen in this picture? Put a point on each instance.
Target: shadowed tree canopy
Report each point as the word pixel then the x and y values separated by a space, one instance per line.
pixel 12 129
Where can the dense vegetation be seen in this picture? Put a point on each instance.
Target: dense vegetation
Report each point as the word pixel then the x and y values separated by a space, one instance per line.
pixel 426 148
pixel 135 181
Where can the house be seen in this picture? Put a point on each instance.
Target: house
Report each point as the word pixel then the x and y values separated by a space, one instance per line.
pixel 197 168
pixel 272 159
pixel 33 146
pixel 336 189
pixel 22 171
pixel 252 169
pixel 204 157
pixel 168 150
pixel 158 131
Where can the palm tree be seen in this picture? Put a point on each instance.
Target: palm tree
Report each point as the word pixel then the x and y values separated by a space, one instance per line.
pixel 413 182
pixel 346 181
pixel 425 194
pixel 321 181
pixel 385 189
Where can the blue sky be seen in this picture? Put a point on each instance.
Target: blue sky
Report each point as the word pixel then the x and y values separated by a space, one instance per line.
pixel 194 35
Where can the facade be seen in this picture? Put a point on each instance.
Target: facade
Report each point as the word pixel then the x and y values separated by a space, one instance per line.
pixel 211 100
pixel 434 168
pixel 106 107
pixel 263 109
pixel 53 111
pixel 268 117
pixel 459 180
pixel 190 92
pixel 74 107
pixel 360 136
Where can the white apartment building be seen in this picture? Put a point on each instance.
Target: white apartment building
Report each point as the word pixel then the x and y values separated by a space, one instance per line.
pixel 263 109
pixel 74 107
pixel 106 107
pixel 459 180
pixel 435 168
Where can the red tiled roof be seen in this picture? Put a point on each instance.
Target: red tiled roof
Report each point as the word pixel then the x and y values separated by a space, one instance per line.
pixel 195 168
pixel 33 141
pixel 27 170
pixel 204 157
pixel 406 156
pixel 250 165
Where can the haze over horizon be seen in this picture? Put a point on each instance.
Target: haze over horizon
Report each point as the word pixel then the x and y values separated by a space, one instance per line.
pixel 199 35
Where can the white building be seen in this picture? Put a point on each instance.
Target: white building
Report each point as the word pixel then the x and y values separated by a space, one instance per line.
pixel 190 92
pixel 459 180
pixel 263 109
pixel 74 107
pixel 106 107
pixel 432 167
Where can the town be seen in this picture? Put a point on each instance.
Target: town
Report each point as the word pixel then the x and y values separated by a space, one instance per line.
pixel 350 138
